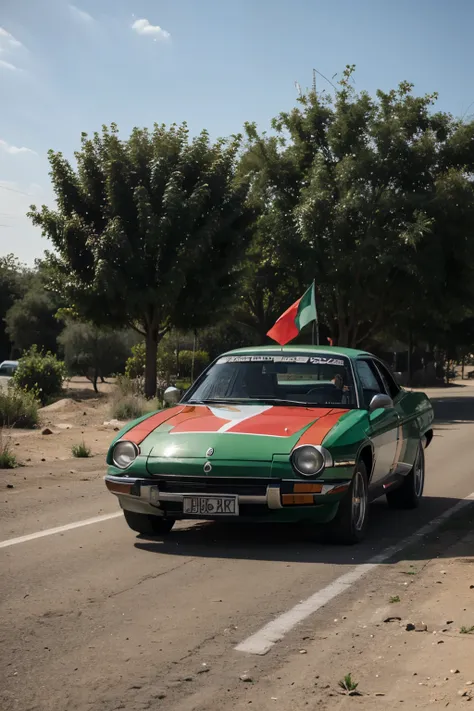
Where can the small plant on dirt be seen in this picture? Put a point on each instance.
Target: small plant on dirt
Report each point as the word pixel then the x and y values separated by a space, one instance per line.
pixel 81 451
pixel 467 630
pixel 7 458
pixel 409 572
pixel 394 598
pixel 18 409
pixel 129 407
pixel 348 686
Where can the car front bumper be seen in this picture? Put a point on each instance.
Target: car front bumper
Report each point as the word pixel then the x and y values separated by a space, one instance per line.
pixel 275 499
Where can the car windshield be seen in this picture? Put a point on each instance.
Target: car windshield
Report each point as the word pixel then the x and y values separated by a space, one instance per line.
pixel 320 380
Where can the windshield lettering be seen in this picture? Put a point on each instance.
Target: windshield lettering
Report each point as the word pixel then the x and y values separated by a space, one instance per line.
pixel 309 381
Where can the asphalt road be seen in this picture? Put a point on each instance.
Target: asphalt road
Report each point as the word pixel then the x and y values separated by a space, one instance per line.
pixel 97 619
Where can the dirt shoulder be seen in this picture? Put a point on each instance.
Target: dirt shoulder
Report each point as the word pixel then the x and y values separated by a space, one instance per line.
pixel 45 454
pixel 371 638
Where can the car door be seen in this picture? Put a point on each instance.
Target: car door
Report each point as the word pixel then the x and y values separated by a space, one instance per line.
pixel 409 436
pixel 383 423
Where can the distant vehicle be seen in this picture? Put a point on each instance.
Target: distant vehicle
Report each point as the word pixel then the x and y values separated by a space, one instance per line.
pixel 296 434
pixel 470 375
pixel 8 367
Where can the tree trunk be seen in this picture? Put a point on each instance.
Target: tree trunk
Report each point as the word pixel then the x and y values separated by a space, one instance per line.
pixel 177 355
pixel 194 356
pixel 151 347
pixel 409 364
pixel 95 379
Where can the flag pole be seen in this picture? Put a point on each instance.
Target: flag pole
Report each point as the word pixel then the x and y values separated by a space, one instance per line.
pixel 316 321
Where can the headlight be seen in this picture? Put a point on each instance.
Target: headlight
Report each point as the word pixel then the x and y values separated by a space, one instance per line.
pixel 309 461
pixel 124 454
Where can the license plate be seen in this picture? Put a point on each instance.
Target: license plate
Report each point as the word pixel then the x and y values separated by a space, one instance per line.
pixel 211 505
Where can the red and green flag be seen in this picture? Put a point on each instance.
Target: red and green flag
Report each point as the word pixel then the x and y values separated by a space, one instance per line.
pixel 295 318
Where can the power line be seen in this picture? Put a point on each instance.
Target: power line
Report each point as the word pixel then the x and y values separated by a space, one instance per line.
pixel 12 190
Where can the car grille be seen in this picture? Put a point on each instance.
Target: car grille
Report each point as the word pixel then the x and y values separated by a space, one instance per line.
pixel 212 485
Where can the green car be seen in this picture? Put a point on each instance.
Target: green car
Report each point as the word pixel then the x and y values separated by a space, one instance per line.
pixel 301 434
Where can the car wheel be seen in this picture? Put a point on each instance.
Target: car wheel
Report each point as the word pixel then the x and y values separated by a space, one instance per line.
pixel 350 523
pixel 408 495
pixel 148 524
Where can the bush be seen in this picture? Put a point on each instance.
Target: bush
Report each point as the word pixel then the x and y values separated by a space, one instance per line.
pixel 94 352
pixel 18 409
pixel 129 407
pixel 165 361
pixel 81 451
pixel 130 386
pixel 40 373
pixel 7 458
pixel 201 361
pixel 135 365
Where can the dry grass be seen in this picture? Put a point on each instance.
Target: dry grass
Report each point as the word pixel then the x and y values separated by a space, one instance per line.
pixel 7 458
pixel 130 407
pixel 81 451
pixel 18 409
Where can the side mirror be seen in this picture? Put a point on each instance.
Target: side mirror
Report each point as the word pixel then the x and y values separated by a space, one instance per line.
pixel 380 402
pixel 172 395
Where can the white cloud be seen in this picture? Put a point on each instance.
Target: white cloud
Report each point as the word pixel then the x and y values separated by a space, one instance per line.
pixel 7 65
pixel 143 27
pixel 80 14
pixel 7 41
pixel 14 150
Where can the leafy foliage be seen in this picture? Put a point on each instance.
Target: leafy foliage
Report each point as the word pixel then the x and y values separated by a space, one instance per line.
pixel 224 336
pixel 185 359
pixel 148 231
pixel 31 319
pixel 94 352
pixel 364 192
pixel 12 288
pixel 18 409
pixel 40 374
pixel 135 365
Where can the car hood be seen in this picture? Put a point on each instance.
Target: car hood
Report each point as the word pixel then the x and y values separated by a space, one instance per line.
pixel 237 432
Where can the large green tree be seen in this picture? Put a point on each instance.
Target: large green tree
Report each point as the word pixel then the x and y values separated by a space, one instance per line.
pixel 31 320
pixel 12 288
pixel 145 227
pixel 374 199
pixel 95 352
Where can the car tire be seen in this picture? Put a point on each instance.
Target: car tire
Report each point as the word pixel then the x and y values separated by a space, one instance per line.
pixel 148 524
pixel 350 523
pixel 409 494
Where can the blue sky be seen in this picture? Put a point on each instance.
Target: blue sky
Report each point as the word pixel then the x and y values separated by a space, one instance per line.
pixel 215 63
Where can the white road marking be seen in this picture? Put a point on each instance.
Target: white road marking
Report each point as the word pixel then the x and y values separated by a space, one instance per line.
pixel 58 529
pixel 262 641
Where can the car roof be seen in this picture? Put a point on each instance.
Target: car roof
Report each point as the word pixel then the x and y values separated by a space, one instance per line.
pixel 310 350
pixel 9 362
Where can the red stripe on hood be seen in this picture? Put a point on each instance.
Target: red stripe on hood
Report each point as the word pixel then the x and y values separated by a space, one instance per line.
pixel 200 420
pixel 141 431
pixel 280 421
pixel 317 432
